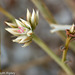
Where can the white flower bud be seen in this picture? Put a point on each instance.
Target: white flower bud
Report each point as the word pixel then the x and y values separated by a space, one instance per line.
pixel 33 17
pixel 72 29
pixel 28 16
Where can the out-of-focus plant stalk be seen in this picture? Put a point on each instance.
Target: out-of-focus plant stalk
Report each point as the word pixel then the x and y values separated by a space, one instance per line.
pixel 7 14
pixel 71 5
pixel 0 49
pixel 38 41
pixel 66 49
pixel 48 16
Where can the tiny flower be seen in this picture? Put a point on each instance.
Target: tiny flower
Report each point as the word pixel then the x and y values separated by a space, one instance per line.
pixel 28 15
pixel 22 29
pixel 33 18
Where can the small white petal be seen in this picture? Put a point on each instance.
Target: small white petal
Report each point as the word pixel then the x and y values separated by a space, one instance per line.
pixel 33 17
pixel 26 23
pixel 11 24
pixel 19 24
pixel 20 39
pixel 59 27
pixel 29 33
pixel 14 31
pixel 28 15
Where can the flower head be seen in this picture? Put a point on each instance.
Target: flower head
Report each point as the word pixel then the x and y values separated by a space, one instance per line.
pixel 22 29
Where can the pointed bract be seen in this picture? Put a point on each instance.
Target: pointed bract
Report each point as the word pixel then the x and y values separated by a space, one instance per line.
pixel 14 31
pixel 33 17
pixel 19 24
pixel 11 24
pixel 28 15
pixel 72 29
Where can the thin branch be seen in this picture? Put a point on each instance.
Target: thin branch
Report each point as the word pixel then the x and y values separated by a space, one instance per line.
pixel 66 49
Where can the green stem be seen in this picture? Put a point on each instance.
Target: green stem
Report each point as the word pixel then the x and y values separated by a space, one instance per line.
pixel 7 14
pixel 66 49
pixel 38 41
pixel 49 18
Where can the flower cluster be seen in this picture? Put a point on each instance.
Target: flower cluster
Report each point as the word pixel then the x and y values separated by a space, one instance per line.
pixel 24 29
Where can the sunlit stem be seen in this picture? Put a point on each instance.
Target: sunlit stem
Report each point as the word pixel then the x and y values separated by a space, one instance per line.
pixel 66 49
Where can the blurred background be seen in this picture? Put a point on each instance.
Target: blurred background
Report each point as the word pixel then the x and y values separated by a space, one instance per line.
pixel 32 60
